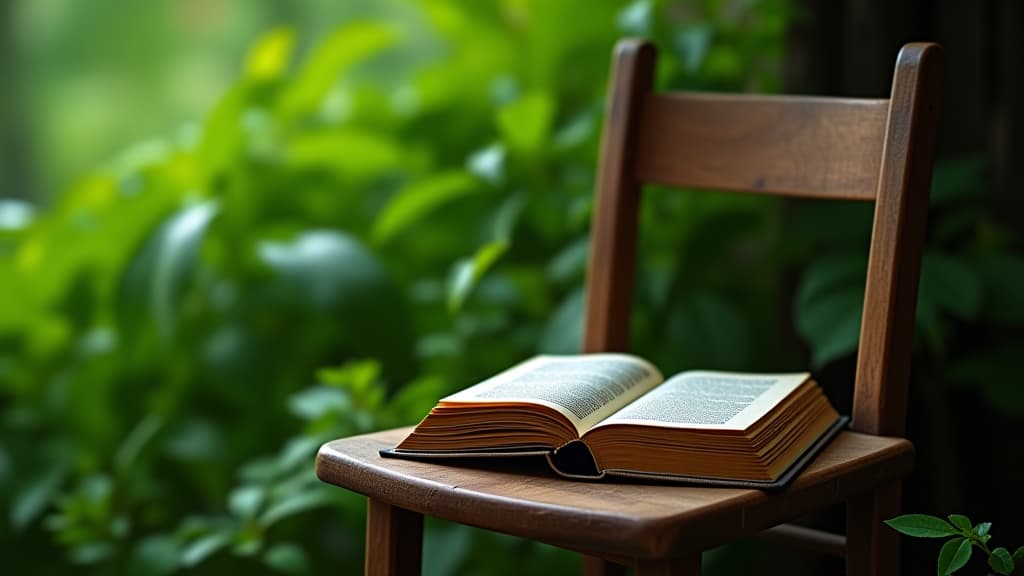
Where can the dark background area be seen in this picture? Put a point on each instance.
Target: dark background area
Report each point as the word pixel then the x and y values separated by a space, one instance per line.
pixel 968 455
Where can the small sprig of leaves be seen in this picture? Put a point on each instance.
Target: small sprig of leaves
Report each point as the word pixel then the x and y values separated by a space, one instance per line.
pixel 965 536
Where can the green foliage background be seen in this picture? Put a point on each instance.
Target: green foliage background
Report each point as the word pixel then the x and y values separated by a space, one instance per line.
pixel 358 228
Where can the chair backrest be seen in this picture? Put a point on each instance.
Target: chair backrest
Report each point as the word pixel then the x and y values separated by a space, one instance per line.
pixel 834 148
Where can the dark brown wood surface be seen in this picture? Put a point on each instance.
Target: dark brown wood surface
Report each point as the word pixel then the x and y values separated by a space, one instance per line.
pixel 394 540
pixel 613 227
pixel 798 146
pixel 897 239
pixel 622 520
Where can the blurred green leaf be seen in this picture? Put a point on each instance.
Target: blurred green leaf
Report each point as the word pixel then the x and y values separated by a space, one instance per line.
pixel 327 269
pixel 563 331
pixel 350 152
pixel 136 441
pixel 828 307
pixel 708 331
pixel 155 555
pixel 693 43
pixel 526 124
pixel 635 18
pixel 268 59
pixel 348 46
pixel 15 214
pixel 958 178
pixel 1002 275
pixel 995 370
pixel 204 547
pixel 467 273
pixel 949 283
pixel 417 201
pixel 297 503
pixel 245 501
pixel 32 498
pixel 287 558
pixel 170 256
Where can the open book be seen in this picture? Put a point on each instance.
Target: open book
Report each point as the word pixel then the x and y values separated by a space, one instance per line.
pixel 607 415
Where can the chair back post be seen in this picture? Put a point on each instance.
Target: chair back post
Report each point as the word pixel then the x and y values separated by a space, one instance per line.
pixel 897 241
pixel 613 231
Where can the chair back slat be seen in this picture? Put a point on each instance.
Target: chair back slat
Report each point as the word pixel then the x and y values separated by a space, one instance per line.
pixel 790 145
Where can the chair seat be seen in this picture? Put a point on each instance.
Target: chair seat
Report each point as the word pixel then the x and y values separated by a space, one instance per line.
pixel 609 519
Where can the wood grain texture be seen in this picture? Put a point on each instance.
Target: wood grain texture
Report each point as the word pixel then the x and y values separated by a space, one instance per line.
pixel 394 540
pixel 792 145
pixel 613 227
pixel 808 538
pixel 621 520
pixel 872 548
pixel 897 240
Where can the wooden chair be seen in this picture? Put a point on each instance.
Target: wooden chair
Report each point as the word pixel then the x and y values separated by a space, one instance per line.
pixel 843 149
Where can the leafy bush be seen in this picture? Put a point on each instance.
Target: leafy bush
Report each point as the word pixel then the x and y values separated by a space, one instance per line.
pixel 963 536
pixel 409 201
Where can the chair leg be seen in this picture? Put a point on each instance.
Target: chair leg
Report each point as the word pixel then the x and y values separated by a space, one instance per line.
pixel 394 540
pixel 872 548
pixel 684 566
pixel 594 566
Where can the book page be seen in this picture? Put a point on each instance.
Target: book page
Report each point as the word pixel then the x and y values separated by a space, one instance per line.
pixel 585 388
pixel 704 399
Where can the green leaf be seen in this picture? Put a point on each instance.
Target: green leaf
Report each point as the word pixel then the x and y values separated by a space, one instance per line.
pixel 1002 275
pixel 287 558
pixel 348 46
pixel 204 547
pixel 526 124
pixel 994 370
pixel 245 501
pixel 828 307
pixel 922 526
pixel 136 441
pixel 709 330
pixel 982 528
pixel 962 522
pixel 350 153
pixel 413 203
pixel 327 269
pixel 692 43
pixel 296 503
pixel 563 331
pixel 318 401
pixel 15 214
pixel 156 555
pixel 1018 557
pixel 954 554
pixel 958 178
pixel 33 498
pixel 635 19
pixel 269 57
pixel 175 249
pixel 1001 561
pixel 948 283
pixel 488 164
pixel 467 273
